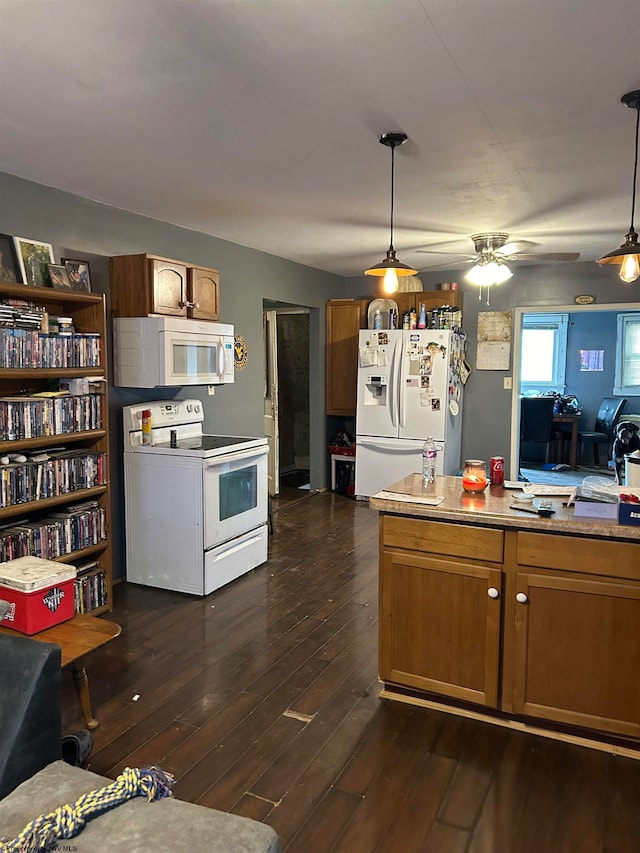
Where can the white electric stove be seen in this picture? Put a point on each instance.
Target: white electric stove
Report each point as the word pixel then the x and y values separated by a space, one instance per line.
pixel 195 504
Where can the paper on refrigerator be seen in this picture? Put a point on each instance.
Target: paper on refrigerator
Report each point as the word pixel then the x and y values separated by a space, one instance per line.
pixel 373 356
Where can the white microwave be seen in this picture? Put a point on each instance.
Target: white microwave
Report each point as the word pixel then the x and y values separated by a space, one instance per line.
pixel 152 352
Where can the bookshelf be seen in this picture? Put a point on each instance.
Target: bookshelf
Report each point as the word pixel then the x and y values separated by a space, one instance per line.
pixel 54 452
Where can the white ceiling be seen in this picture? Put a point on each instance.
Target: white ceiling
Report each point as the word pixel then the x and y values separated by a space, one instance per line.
pixel 258 120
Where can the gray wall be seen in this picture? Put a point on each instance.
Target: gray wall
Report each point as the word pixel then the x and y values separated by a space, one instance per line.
pixel 80 228
pixel 486 424
pixel 597 331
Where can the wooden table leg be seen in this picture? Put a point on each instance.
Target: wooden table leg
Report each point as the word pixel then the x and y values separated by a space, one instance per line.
pixel 81 682
pixel 573 452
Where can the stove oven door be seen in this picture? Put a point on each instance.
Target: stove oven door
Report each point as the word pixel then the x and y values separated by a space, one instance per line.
pixel 235 494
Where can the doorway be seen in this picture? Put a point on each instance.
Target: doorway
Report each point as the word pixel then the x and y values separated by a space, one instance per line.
pixel 589 394
pixel 287 419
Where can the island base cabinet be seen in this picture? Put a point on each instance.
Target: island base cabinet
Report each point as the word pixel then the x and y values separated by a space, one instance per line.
pixel 440 626
pixel 576 650
pixel 529 627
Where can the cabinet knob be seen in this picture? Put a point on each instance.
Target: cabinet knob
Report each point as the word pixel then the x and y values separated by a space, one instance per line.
pixel 522 597
pixel 492 592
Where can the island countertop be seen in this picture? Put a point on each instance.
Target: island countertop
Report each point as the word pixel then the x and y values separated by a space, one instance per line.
pixel 491 507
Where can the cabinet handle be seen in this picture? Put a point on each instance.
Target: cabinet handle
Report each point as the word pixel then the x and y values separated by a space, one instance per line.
pixel 522 597
pixel 492 592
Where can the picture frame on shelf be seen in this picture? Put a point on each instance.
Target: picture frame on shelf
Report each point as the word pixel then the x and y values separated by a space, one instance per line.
pixel 9 269
pixel 79 274
pixel 33 258
pixel 59 277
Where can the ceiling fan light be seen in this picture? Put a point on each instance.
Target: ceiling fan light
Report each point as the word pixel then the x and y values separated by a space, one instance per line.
pixel 487 273
pixel 477 275
pixel 503 274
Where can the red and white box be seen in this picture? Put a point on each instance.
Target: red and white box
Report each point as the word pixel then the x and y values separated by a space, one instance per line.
pixel 39 592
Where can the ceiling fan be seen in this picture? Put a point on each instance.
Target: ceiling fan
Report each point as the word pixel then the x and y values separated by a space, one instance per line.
pixel 494 246
pixel 492 253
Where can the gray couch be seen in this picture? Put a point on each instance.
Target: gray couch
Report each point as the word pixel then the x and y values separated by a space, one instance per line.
pixel 135 826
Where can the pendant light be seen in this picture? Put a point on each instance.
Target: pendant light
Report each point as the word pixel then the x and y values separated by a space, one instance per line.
pixel 628 255
pixel 391 267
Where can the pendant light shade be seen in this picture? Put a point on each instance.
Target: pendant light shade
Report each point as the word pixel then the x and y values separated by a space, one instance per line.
pixel 390 268
pixel 628 255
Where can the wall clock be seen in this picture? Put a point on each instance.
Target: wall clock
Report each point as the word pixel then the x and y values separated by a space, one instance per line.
pixel 240 353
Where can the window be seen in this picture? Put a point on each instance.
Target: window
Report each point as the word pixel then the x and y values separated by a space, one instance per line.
pixel 543 353
pixel 627 380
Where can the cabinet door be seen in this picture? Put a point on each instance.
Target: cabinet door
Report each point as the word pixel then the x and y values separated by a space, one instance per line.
pixel 440 626
pixel 169 283
pixel 345 318
pixel 204 293
pixel 577 651
pixel 405 302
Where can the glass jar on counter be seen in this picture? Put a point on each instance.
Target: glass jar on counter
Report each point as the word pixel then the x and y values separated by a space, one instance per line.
pixel 474 475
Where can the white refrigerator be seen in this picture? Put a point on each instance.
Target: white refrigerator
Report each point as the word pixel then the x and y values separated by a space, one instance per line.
pixel 410 385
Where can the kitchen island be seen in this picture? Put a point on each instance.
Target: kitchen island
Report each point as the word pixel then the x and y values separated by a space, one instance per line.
pixel 500 614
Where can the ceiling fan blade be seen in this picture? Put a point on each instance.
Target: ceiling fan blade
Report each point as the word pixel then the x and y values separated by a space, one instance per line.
pixel 544 256
pixel 448 254
pixel 515 246
pixel 450 265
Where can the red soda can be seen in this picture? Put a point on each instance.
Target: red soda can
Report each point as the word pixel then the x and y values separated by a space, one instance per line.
pixel 496 470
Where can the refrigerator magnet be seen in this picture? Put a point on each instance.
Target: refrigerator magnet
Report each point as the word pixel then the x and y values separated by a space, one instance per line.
pixel 453 407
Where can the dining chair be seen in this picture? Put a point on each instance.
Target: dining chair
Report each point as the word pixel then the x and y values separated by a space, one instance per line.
pixel 602 433
pixel 536 424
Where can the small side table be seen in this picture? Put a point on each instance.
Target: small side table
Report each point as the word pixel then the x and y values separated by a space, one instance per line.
pixel 76 638
pixel 339 457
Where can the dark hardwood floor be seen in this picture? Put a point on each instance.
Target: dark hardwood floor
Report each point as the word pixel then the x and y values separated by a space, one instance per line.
pixel 262 699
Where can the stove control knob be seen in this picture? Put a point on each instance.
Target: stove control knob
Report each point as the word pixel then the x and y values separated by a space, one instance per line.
pixel 197 408
pixel 189 407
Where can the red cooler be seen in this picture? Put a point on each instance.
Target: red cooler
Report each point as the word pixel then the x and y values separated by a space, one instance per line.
pixel 39 592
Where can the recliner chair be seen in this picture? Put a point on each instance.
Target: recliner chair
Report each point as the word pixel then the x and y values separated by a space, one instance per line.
pixel 30 719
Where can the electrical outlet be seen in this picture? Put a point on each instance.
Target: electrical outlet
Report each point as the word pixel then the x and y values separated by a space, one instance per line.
pixel 508 383
pixel 211 390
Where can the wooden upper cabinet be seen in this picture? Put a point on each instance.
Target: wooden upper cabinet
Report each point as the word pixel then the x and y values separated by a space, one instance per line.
pixel 204 288
pixel 169 288
pixel 345 318
pixel 148 284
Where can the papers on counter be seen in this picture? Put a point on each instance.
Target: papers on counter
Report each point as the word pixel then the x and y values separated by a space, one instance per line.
pixel 537 490
pixel 427 500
